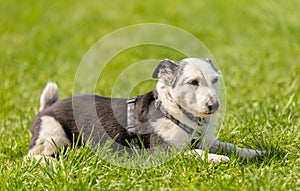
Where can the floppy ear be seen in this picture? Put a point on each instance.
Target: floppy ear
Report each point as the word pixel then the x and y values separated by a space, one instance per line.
pixel 165 69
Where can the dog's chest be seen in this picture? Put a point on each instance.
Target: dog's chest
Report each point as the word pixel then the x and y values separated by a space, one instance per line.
pixel 170 132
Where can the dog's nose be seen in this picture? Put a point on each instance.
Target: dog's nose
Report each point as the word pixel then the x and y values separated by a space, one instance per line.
pixel 212 107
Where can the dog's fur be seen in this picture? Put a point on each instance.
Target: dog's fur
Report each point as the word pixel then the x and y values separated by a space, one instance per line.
pixel 188 86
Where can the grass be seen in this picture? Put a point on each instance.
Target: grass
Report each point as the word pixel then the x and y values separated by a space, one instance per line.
pixel 256 45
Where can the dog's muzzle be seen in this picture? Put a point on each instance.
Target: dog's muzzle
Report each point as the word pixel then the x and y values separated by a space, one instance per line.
pixel 212 107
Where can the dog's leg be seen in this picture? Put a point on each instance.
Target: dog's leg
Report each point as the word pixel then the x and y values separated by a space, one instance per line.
pixel 214 158
pixel 50 138
pixel 229 147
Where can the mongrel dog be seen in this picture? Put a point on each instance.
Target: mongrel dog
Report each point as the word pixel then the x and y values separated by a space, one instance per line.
pixel 182 107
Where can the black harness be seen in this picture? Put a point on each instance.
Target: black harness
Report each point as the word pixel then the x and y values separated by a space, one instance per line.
pixel 131 127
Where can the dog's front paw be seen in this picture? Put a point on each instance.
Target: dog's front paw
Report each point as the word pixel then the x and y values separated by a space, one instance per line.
pixel 213 158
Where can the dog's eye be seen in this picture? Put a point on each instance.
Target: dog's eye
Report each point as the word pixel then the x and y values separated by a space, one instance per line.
pixel 195 83
pixel 215 80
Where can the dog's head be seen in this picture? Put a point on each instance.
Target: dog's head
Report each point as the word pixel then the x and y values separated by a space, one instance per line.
pixel 191 83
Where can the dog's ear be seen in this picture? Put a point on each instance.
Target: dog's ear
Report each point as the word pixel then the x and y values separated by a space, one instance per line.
pixel 165 69
pixel 212 64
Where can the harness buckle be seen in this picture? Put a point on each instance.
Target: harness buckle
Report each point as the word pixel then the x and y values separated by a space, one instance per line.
pixel 130 114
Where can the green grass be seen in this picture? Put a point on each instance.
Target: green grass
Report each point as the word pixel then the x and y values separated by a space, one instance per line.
pixel 256 45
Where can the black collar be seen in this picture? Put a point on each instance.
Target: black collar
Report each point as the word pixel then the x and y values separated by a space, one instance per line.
pixel 199 120
pixel 183 126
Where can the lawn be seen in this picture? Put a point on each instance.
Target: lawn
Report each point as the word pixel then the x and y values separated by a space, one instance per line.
pixel 256 45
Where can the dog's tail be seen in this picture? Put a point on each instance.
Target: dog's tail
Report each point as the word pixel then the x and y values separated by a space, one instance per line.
pixel 49 96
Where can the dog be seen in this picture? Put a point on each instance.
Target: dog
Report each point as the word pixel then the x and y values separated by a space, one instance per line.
pixel 180 109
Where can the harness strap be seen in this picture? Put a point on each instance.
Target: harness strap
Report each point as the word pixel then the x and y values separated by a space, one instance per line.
pixel 183 126
pixel 131 127
pixel 130 114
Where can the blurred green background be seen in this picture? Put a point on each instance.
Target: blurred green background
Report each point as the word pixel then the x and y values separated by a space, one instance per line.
pixel 256 45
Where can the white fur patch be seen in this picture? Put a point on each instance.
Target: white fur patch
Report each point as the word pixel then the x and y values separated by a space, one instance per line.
pixel 171 133
pixel 213 158
pixel 51 137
